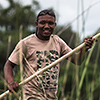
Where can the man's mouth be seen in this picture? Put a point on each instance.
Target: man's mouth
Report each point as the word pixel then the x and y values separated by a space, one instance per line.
pixel 46 31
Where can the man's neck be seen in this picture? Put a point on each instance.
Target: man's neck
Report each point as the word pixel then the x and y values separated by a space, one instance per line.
pixel 42 38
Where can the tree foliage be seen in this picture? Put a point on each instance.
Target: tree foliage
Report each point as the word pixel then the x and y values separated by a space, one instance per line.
pixel 11 18
pixel 15 15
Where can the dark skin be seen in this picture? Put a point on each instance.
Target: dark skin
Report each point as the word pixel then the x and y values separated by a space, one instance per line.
pixel 88 41
pixel 45 27
pixel 8 72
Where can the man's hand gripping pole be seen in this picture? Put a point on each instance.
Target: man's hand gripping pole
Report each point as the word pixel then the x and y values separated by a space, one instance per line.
pixel 49 66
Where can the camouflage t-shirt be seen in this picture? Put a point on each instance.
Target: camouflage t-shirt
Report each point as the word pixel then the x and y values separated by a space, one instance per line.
pixel 35 55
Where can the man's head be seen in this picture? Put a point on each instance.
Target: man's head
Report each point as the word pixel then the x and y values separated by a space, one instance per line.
pixel 45 24
pixel 45 12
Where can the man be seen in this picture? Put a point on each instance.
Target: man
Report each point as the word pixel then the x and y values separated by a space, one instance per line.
pixel 37 51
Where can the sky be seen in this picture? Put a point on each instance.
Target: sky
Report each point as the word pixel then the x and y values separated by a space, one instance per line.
pixel 67 10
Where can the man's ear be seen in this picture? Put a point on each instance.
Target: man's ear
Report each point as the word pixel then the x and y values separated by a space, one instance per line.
pixel 36 24
pixel 55 24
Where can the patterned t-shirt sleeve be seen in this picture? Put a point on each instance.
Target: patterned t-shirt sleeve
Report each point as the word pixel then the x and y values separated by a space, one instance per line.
pixel 17 55
pixel 64 47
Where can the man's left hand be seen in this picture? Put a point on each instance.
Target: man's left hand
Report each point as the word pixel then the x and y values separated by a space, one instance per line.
pixel 89 42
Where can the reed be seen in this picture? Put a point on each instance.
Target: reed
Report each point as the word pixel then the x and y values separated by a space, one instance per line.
pixel 20 61
pixel 53 64
pixel 77 86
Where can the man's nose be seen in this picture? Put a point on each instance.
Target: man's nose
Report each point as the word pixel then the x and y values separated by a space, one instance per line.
pixel 46 25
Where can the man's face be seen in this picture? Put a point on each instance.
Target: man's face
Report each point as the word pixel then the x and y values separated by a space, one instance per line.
pixel 45 26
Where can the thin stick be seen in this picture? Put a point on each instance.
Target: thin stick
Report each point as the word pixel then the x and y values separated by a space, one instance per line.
pixel 49 66
pixel 65 27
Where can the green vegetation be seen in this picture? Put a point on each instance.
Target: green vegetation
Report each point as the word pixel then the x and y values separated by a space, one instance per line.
pixel 71 84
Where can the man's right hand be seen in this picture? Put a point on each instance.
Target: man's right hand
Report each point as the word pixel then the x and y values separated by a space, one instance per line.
pixel 13 86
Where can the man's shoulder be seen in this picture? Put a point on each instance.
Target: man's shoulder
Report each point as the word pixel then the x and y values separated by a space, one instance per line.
pixel 56 37
pixel 28 37
pixel 28 40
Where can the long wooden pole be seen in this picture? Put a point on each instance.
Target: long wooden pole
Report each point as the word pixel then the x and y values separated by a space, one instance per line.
pixel 50 65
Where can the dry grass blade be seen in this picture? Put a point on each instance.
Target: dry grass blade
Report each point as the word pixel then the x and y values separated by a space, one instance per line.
pixel 64 28
pixel 49 66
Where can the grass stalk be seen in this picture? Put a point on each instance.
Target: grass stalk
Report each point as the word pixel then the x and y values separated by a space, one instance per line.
pixel 64 28
pixel 20 60
pixel 84 73
pixel 53 64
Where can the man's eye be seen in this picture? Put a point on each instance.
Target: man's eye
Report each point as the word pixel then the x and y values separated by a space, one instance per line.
pixel 51 23
pixel 42 22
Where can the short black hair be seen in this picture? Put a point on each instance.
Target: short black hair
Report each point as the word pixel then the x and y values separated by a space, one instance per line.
pixel 44 12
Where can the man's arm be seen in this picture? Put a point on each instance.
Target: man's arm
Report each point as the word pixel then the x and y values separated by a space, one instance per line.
pixel 77 58
pixel 8 72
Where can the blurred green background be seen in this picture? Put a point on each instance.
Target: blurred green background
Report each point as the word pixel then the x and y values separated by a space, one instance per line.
pixel 18 18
